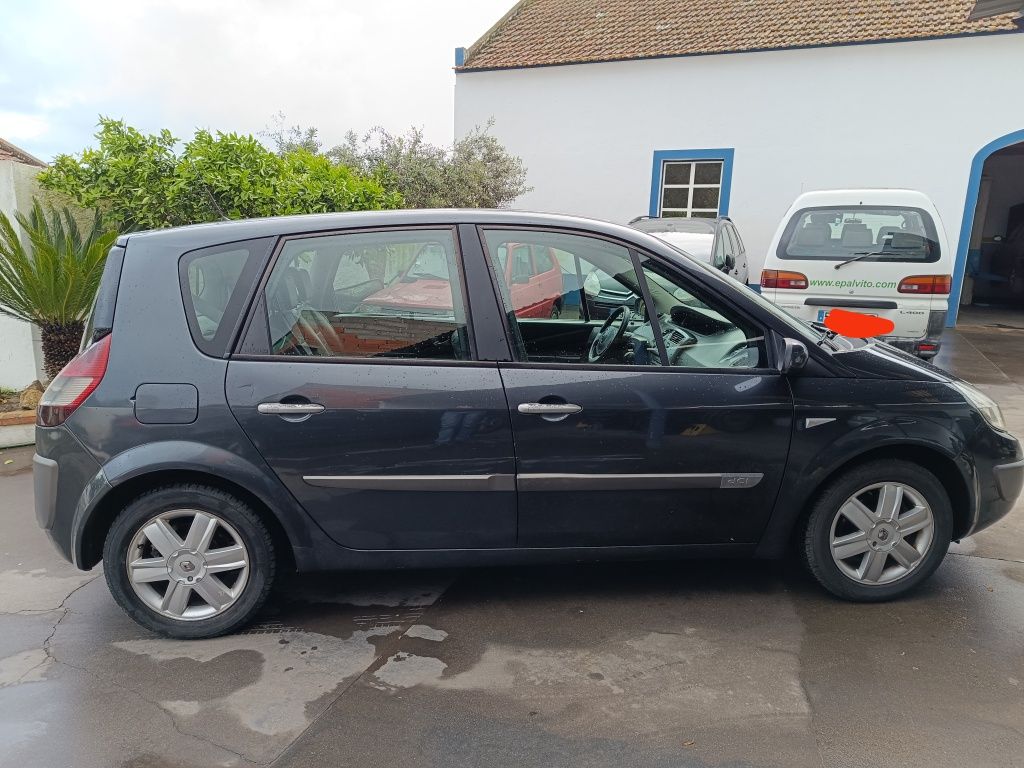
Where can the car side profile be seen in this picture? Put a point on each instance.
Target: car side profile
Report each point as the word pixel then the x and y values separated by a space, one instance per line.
pixel 249 401
pixel 715 242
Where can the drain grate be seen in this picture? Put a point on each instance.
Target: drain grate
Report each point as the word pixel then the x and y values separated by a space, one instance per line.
pixel 269 627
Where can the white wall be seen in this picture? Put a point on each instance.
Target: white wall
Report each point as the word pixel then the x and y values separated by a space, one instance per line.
pixel 888 115
pixel 20 356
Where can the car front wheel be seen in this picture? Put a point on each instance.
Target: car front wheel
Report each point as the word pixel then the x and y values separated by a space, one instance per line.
pixel 189 561
pixel 878 531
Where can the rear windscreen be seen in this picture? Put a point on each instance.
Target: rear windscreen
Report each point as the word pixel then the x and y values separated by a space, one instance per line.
pixel 866 233
pixel 215 285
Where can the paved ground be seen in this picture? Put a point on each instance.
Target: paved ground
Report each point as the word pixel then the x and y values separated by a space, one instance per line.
pixel 692 664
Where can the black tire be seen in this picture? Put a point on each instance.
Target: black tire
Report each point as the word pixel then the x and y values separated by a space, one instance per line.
pixel 817 534
pixel 249 528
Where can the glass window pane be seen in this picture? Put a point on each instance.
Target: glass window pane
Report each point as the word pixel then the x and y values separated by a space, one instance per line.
pixel 542 259
pixel 708 173
pixel 705 197
pixel 676 197
pixel 556 319
pixel 704 214
pixel 677 173
pixel 378 294
pixel 677 214
pixel 212 278
pixel 698 331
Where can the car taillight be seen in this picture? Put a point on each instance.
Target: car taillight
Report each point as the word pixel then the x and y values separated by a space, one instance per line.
pixel 780 278
pixel 73 384
pixel 926 284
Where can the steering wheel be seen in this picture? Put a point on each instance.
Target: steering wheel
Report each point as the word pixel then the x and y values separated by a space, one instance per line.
pixel 609 335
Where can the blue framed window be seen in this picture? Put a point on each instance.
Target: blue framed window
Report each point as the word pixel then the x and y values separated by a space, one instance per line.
pixel 691 182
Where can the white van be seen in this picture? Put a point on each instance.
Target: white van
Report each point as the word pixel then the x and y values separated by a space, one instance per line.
pixel 881 252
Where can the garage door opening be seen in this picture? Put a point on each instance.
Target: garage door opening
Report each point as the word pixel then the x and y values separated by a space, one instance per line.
pixel 993 270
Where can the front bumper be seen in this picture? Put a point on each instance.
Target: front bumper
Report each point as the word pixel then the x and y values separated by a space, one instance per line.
pixel 1000 479
pixel 1009 480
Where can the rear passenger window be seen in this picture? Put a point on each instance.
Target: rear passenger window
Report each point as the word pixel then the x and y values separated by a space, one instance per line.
pixel 215 282
pixel 368 294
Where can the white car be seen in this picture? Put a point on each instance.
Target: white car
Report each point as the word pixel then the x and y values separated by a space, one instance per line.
pixel 880 252
pixel 715 242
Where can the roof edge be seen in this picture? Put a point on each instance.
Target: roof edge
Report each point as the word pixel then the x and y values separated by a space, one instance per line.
pixel 24 157
pixel 485 38
pixel 986 33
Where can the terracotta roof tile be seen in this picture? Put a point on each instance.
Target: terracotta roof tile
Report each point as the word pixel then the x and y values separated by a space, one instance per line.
pixel 10 152
pixel 546 32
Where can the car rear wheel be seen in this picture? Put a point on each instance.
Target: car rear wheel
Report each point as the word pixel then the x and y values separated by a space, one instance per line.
pixel 189 561
pixel 878 531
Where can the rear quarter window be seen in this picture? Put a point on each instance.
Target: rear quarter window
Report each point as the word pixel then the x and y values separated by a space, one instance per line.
pixel 216 285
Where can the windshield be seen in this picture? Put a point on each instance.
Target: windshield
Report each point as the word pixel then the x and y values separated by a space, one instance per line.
pixel 431 263
pixel 867 233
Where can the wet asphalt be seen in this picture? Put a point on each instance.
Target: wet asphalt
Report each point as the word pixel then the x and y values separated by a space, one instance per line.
pixel 699 663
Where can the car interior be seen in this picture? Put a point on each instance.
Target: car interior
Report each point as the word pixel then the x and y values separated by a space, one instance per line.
pixel 397 295
pixel 613 325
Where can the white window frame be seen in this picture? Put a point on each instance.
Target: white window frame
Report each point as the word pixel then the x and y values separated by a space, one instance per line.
pixel 689 211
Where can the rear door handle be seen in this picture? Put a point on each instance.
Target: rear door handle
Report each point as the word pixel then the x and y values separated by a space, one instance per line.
pixel 290 409
pixel 549 409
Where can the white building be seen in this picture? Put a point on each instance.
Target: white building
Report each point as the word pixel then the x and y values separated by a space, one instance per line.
pixel 602 97
pixel 20 354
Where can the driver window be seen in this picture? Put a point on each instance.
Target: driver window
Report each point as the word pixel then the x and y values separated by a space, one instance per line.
pixel 584 304
pixel 699 332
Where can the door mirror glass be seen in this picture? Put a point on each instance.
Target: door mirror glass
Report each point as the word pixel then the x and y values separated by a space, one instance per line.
pixel 793 356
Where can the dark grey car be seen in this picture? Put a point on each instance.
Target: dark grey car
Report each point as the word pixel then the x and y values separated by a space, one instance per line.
pixel 367 391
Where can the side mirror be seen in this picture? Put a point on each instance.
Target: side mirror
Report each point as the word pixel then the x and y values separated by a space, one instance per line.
pixel 730 263
pixel 792 356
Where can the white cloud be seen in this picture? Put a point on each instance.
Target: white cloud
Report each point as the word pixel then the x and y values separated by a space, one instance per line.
pixel 18 126
pixel 232 64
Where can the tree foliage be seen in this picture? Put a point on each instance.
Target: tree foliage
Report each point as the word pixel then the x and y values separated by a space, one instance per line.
pixel 51 277
pixel 475 172
pixel 141 181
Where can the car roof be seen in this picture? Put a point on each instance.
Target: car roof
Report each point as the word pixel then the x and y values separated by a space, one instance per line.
pixel 676 224
pixel 880 196
pixel 195 236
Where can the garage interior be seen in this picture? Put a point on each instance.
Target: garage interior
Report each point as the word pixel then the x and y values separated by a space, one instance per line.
pixel 993 289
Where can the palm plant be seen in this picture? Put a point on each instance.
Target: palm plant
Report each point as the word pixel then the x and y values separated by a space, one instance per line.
pixel 51 278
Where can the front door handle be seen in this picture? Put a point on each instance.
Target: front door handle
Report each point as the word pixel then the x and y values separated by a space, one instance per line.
pixel 290 409
pixel 549 409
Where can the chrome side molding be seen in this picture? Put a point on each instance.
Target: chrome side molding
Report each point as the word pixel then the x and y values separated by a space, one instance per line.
pixel 635 482
pixel 414 482
pixel 541 481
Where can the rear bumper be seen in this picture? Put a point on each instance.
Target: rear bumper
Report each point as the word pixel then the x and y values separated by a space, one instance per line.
pixel 67 480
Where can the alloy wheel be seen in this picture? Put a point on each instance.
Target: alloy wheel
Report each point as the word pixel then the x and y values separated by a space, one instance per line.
pixel 882 533
pixel 187 564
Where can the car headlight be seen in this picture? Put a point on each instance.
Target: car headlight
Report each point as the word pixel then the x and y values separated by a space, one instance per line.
pixel 984 404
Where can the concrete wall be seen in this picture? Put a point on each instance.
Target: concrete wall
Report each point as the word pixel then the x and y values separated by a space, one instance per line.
pixel 888 115
pixel 20 353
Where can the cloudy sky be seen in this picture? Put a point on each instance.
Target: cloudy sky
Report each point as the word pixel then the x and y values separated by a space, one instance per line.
pixel 230 65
